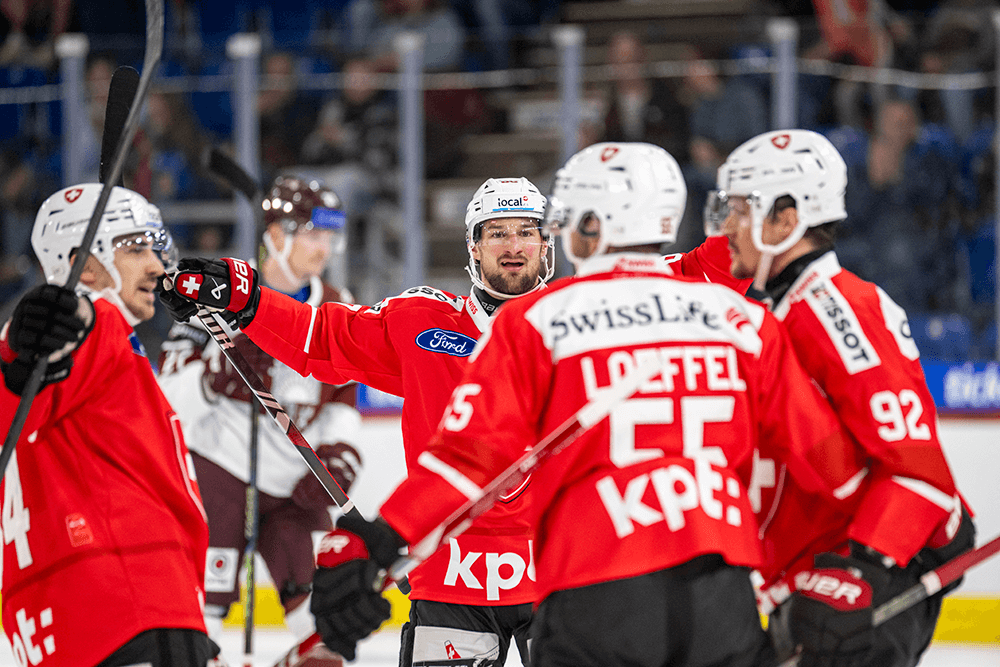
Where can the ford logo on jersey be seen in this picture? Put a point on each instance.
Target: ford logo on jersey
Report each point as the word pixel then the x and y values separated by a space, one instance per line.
pixel 447 342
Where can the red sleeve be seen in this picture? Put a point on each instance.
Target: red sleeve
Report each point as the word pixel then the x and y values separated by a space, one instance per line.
pixel 709 262
pixel 887 408
pixel 335 343
pixel 797 426
pixel 493 417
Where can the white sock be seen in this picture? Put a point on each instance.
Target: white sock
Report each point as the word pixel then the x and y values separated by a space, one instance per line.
pixel 214 614
pixel 300 620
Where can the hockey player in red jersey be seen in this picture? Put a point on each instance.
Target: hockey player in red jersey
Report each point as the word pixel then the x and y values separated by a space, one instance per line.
pixel 415 345
pixel 645 533
pixel 104 531
pixel 303 229
pixel 780 197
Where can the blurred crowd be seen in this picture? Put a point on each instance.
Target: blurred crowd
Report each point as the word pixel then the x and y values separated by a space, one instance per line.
pixel 921 199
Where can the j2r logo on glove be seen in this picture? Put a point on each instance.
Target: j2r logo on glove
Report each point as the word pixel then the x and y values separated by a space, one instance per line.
pixel 836 588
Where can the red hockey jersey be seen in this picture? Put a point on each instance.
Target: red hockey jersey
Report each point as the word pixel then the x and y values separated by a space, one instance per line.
pixel 104 532
pixel 665 477
pixel 413 345
pixel 855 342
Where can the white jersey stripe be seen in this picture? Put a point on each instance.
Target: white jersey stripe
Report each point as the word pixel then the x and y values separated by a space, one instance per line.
pixel 925 490
pixel 851 485
pixel 465 485
pixel 312 324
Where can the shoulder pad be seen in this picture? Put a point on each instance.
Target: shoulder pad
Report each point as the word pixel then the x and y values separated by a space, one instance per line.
pixel 422 291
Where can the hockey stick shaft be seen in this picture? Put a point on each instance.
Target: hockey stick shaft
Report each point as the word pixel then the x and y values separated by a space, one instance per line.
pixel 276 412
pixel 934 581
pixel 252 522
pixel 154 49
pixel 930 583
pixel 595 410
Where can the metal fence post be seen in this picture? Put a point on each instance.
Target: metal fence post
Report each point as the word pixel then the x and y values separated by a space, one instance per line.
pixel 784 36
pixel 71 50
pixel 410 47
pixel 244 50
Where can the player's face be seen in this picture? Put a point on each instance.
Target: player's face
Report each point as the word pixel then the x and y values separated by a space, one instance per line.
pixel 139 266
pixel 510 253
pixel 744 256
pixel 310 251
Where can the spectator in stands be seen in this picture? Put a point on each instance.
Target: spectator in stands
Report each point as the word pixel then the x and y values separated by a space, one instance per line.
pixel 373 25
pixel 640 108
pixel 723 110
pixel 287 115
pixel 959 38
pixel 17 48
pixel 173 144
pixel 896 203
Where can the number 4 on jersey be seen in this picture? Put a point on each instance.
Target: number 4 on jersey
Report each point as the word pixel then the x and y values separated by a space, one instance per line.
pixel 16 520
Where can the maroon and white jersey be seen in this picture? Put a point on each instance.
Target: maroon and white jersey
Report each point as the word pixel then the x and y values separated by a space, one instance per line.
pixel 854 341
pixel 213 402
pixel 104 534
pixel 665 477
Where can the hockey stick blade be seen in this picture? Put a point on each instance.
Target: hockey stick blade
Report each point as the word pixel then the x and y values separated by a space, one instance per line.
pixel 154 49
pixel 930 583
pixel 121 93
pixel 229 170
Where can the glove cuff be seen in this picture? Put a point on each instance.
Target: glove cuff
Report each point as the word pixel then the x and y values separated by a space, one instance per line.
pixel 384 543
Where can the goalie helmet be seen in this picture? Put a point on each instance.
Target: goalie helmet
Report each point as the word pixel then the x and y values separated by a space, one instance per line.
pixel 62 220
pixel 301 205
pixel 798 163
pixel 636 191
pixel 506 198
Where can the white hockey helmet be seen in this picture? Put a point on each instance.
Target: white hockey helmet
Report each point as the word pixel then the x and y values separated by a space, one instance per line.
pixel 62 221
pixel 636 191
pixel 506 198
pixel 799 163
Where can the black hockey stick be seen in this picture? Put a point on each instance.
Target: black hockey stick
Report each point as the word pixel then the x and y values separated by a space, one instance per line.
pixel 251 527
pixel 121 94
pixel 930 583
pixel 595 410
pixel 229 170
pixel 274 410
pixel 154 49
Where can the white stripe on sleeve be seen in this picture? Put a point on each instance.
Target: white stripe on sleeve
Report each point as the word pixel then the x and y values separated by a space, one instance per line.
pixel 465 485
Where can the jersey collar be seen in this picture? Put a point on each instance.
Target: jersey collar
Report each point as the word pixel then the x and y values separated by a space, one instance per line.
pixel 637 262
pixel 820 268
pixel 475 308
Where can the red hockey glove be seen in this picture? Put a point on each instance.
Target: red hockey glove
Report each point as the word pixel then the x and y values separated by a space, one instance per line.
pixel 221 284
pixel 49 321
pixel 345 603
pixel 342 461
pixel 829 616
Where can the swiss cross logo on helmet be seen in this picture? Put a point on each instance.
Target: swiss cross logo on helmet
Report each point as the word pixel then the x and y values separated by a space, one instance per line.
pixel 609 153
pixel 72 195
pixel 781 141
pixel 189 284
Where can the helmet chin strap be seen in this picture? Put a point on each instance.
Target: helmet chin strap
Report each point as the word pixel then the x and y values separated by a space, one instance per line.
pixel 763 270
pixel 281 257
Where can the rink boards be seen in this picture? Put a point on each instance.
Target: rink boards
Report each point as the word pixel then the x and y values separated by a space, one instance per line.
pixel 972 446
